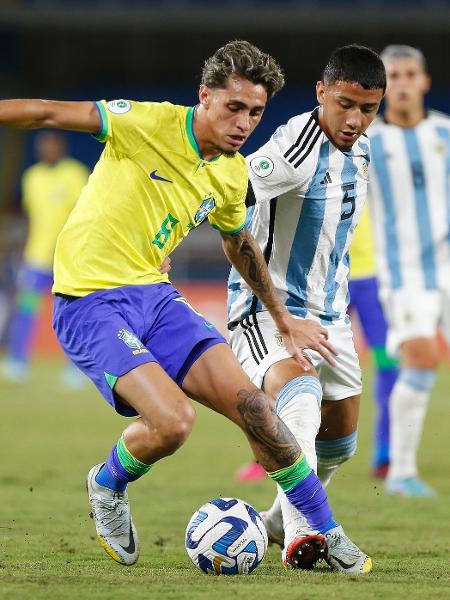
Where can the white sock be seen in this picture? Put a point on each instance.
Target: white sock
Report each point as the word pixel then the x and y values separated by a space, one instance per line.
pixel 298 406
pixel 408 406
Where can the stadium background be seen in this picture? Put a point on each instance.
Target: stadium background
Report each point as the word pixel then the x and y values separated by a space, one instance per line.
pixel 154 50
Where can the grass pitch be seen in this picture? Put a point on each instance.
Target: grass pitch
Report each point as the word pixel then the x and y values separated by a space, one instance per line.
pixel 51 437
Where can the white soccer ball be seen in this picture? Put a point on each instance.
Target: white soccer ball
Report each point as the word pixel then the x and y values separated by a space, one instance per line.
pixel 226 536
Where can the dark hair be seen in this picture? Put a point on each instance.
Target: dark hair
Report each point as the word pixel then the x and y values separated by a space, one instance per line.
pixel 242 58
pixel 398 51
pixel 357 64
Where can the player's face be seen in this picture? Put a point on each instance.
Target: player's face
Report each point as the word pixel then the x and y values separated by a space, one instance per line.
pixel 346 110
pixel 232 112
pixel 407 83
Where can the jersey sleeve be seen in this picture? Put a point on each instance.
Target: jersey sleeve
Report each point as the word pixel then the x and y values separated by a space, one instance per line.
pixel 231 217
pixel 282 164
pixel 125 124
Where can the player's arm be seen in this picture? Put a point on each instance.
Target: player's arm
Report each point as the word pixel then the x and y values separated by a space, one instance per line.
pixel 53 114
pixel 245 255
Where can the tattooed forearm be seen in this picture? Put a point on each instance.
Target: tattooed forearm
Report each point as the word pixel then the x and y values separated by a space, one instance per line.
pixel 274 445
pixel 245 255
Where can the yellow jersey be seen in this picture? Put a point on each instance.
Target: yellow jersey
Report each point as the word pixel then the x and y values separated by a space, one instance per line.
pixel 362 252
pixel 149 188
pixel 49 193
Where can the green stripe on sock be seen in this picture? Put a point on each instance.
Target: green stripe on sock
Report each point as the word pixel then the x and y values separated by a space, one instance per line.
pixel 28 302
pixel 288 477
pixel 383 360
pixel 129 462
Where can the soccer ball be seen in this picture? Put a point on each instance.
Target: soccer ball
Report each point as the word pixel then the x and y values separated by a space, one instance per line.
pixel 226 536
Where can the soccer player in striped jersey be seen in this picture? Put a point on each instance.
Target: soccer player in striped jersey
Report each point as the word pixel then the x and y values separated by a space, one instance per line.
pixel 165 169
pixel 308 188
pixel 410 200
pixel 364 301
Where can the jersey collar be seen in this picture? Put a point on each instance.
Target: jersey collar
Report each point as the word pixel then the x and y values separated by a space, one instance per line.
pixel 191 135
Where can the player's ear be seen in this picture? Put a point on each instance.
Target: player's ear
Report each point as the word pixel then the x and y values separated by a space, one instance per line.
pixel 320 91
pixel 203 95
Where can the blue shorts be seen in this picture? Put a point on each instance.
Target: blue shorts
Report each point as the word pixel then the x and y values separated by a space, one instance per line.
pixel 109 332
pixel 364 299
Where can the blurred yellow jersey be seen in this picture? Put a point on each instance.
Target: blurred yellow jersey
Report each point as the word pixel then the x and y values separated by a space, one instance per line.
pixel 149 188
pixel 362 252
pixel 49 193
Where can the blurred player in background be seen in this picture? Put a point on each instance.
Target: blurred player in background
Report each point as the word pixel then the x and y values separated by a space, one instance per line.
pixel 410 199
pixel 308 187
pixel 364 302
pixel 164 170
pixel 50 190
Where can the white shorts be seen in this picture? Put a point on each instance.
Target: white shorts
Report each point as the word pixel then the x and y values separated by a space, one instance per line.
pixel 415 313
pixel 258 345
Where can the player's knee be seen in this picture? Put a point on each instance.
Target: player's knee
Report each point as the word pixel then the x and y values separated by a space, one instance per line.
pixel 178 429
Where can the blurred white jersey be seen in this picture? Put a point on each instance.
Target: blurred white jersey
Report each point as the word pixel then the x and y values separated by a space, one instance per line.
pixel 308 198
pixel 410 203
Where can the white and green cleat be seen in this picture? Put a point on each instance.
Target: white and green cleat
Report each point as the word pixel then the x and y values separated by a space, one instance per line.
pixel 343 555
pixel 111 513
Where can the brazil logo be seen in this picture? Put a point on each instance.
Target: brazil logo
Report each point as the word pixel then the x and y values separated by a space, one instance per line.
pixel 262 166
pixel 205 208
pixel 131 341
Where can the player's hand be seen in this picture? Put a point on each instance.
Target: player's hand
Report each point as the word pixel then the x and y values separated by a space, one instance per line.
pixel 298 334
pixel 165 266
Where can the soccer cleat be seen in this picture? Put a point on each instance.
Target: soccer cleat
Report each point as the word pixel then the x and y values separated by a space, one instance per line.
pixel 343 555
pixel 111 513
pixel 380 471
pixel 274 528
pixel 303 552
pixel 251 472
pixel 14 371
pixel 409 487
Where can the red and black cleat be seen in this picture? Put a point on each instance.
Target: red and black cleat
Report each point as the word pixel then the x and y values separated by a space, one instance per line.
pixel 305 552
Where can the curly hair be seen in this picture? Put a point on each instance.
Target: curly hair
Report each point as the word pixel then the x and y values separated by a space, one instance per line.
pixel 242 58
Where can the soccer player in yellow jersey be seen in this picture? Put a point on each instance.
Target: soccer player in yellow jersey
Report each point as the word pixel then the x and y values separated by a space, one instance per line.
pixel 50 189
pixel 364 301
pixel 165 169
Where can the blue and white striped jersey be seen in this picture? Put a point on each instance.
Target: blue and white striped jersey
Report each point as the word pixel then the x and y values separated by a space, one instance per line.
pixel 410 202
pixel 309 196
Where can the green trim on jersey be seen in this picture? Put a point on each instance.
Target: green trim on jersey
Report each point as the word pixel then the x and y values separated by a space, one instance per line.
pixel 191 136
pixel 102 134
pixel 111 380
pixel 229 232
pixel 383 360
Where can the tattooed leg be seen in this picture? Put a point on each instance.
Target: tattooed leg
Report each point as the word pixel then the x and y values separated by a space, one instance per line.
pixel 273 444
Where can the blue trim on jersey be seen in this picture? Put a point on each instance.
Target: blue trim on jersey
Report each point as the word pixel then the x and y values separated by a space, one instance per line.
pixel 444 133
pixel 391 239
pixel 346 261
pixel 422 209
pixel 348 176
pixel 304 245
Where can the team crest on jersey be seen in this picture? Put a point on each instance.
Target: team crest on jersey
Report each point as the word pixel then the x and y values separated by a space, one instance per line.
pixel 132 341
pixel 262 166
pixel 205 208
pixel 119 107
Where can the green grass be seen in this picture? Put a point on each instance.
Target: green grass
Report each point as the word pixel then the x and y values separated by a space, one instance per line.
pixel 51 437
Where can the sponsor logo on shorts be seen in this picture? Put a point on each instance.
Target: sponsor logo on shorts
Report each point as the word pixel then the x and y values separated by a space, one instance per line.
pixel 262 166
pixel 119 107
pixel 278 338
pixel 132 341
